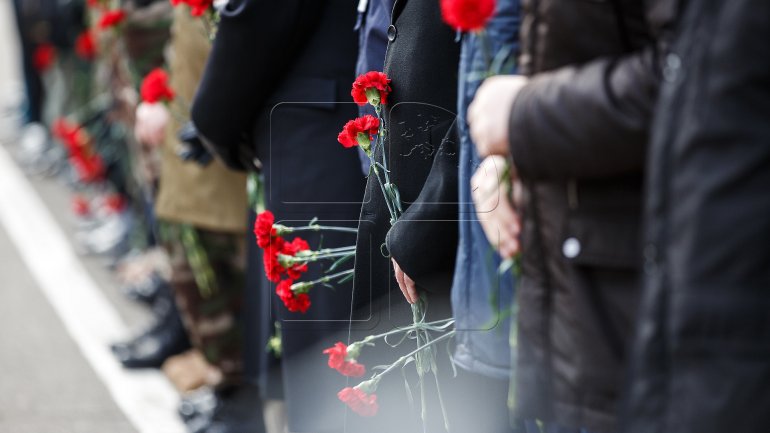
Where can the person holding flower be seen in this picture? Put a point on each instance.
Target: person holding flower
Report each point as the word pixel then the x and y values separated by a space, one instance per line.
pixel 575 126
pixel 269 101
pixel 408 229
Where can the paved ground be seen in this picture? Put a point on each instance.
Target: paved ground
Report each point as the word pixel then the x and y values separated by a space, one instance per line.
pixel 46 385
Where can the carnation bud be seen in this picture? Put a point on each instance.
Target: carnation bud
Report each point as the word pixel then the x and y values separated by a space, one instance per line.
pixel 364 141
pixel 281 230
pixel 373 96
pixel 354 350
pixel 303 287
pixel 369 386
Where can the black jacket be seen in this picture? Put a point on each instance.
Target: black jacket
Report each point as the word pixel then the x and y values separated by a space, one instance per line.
pixel 704 335
pixel 251 55
pixel 421 61
pixel 277 87
pixel 578 132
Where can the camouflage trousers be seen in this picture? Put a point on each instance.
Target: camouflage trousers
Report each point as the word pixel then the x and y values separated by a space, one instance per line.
pixel 208 281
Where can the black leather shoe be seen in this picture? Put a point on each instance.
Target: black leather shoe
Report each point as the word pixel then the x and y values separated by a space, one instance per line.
pixel 238 410
pixel 163 340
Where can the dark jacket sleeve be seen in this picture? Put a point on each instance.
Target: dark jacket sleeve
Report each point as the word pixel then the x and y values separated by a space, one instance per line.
pixel 255 43
pixel 585 121
pixel 424 240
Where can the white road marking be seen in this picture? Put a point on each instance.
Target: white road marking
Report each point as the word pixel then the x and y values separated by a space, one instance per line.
pixel 146 397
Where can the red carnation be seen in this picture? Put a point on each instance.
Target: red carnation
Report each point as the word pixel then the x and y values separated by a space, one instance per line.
pixel 65 131
pixel 89 168
pixel 43 57
pixel 80 206
pixel 360 131
pixel 338 360
pixel 273 269
pixel 87 164
pixel 197 7
pixel 294 302
pixel 300 303
pixel 155 87
pixel 467 15
pixel 112 18
pixel 85 47
pixel 372 87
pixel 115 203
pixel 283 289
pixel 291 249
pixel 72 136
pixel 362 403
pixel 263 228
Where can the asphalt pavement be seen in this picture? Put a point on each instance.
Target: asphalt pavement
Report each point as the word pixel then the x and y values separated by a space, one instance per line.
pixel 46 385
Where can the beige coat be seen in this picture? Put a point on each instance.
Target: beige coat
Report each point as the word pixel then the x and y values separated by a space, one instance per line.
pixel 211 197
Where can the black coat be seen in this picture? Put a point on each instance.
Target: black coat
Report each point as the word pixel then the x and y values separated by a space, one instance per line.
pixel 578 132
pixel 704 341
pixel 277 88
pixel 421 61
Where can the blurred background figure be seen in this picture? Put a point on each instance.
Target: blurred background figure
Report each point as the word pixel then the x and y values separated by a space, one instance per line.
pixel 703 357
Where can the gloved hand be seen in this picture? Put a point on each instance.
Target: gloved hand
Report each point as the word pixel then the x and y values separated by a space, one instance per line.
pixel 191 148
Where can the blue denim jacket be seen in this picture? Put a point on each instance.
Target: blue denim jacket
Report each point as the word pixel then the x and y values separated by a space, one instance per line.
pixel 481 299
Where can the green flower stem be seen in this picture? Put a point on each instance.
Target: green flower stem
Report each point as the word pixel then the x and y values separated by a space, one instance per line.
pixel 393 216
pixel 373 164
pixel 306 285
pixel 431 326
pixel 282 230
pixel 287 260
pixel 199 261
pixel 255 188
pixel 402 360
pixel 395 205
pixel 385 195
pixel 337 249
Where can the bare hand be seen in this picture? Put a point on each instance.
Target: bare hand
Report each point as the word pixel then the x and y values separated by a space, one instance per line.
pixel 489 112
pixel 496 214
pixel 151 122
pixel 405 283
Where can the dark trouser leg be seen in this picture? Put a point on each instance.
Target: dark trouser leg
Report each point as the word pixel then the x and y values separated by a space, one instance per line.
pixel 33 84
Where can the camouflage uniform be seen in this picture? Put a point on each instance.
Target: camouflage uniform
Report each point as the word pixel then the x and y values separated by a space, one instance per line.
pixel 203 209
pixel 210 313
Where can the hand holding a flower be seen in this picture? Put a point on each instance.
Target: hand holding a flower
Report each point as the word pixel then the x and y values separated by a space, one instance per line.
pixel 489 112
pixel 406 284
pixel 494 207
pixel 151 122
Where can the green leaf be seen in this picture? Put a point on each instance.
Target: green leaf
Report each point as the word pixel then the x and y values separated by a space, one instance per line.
pixel 339 262
pixel 347 278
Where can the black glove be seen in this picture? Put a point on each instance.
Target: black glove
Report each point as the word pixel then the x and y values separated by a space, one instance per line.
pixel 192 148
